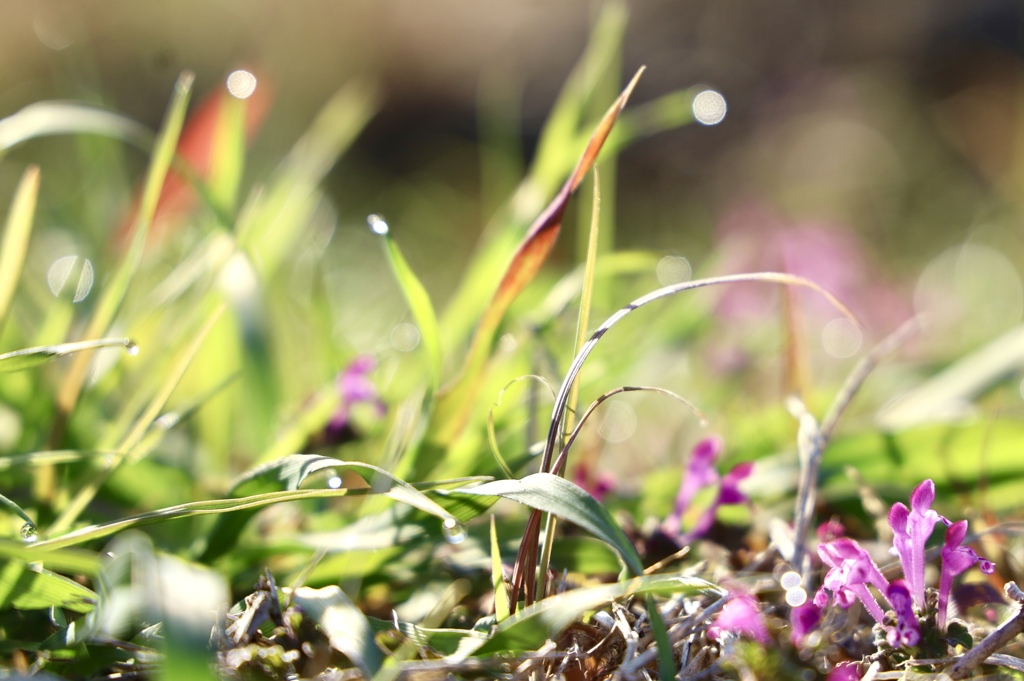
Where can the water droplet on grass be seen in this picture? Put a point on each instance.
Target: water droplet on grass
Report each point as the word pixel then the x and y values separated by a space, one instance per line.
pixel 29 533
pixel 454 531
pixel 131 347
pixel 377 223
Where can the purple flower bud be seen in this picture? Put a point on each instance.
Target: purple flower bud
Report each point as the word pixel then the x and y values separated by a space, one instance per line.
pixel 353 386
pixel 803 619
pixel 742 617
pixel 907 631
pixel 851 571
pixel 844 671
pixel 911 529
pixel 956 559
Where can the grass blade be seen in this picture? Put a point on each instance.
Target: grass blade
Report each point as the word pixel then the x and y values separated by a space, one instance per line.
pixel 30 588
pixel 16 236
pixel 558 496
pixel 289 201
pixel 454 405
pixel 131 441
pixel 115 289
pixel 416 297
pixel 288 473
pixel 30 357
pixel 44 119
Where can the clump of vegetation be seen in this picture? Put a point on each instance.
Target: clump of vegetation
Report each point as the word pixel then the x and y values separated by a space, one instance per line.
pixel 211 476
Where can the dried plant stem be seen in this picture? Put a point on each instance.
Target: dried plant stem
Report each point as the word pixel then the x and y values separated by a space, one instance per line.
pixel 813 438
pixel 995 641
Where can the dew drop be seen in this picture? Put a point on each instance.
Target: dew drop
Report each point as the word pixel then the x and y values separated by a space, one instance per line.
pixel 454 531
pixel 377 223
pixel 29 532
pixel 131 347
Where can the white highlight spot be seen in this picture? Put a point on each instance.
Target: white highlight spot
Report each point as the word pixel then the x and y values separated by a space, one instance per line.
pixel 841 338
pixel 796 597
pixel 405 337
pixel 790 580
pixel 673 269
pixel 334 482
pixel 377 223
pixel 241 84
pixel 619 422
pixel 709 107
pixel 60 273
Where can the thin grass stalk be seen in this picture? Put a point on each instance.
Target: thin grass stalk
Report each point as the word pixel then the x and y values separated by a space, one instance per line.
pixel 582 323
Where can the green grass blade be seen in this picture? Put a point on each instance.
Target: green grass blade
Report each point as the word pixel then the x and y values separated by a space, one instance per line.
pixel 16 510
pixel 44 119
pixel 455 402
pixel 29 588
pixel 75 561
pixel 558 496
pixel 16 236
pixel 417 298
pixel 288 473
pixel 285 207
pixel 115 289
pixel 227 157
pixel 30 357
pixel 127 446
pixel 501 605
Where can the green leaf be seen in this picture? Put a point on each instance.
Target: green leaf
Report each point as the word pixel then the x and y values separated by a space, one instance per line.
pixel 527 629
pixel 29 588
pixel 419 304
pixel 347 629
pixel 30 357
pixel 556 495
pixel 289 472
pixel 16 237
pixel 981 460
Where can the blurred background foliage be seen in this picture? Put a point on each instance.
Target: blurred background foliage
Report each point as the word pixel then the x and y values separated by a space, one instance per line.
pixel 874 148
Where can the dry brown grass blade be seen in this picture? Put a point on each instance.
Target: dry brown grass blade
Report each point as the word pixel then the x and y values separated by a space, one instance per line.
pixel 456 401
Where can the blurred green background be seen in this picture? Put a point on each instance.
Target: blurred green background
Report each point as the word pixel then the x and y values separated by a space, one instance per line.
pixel 873 147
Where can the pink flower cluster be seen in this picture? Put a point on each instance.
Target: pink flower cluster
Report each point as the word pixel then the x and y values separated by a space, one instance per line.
pixel 852 571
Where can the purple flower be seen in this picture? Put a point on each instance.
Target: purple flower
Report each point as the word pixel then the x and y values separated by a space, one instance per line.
pixel 803 619
pixel 907 631
pixel 598 486
pixel 911 529
pixel 851 571
pixel 956 559
pixel 700 473
pixel 354 387
pixel 844 671
pixel 742 617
